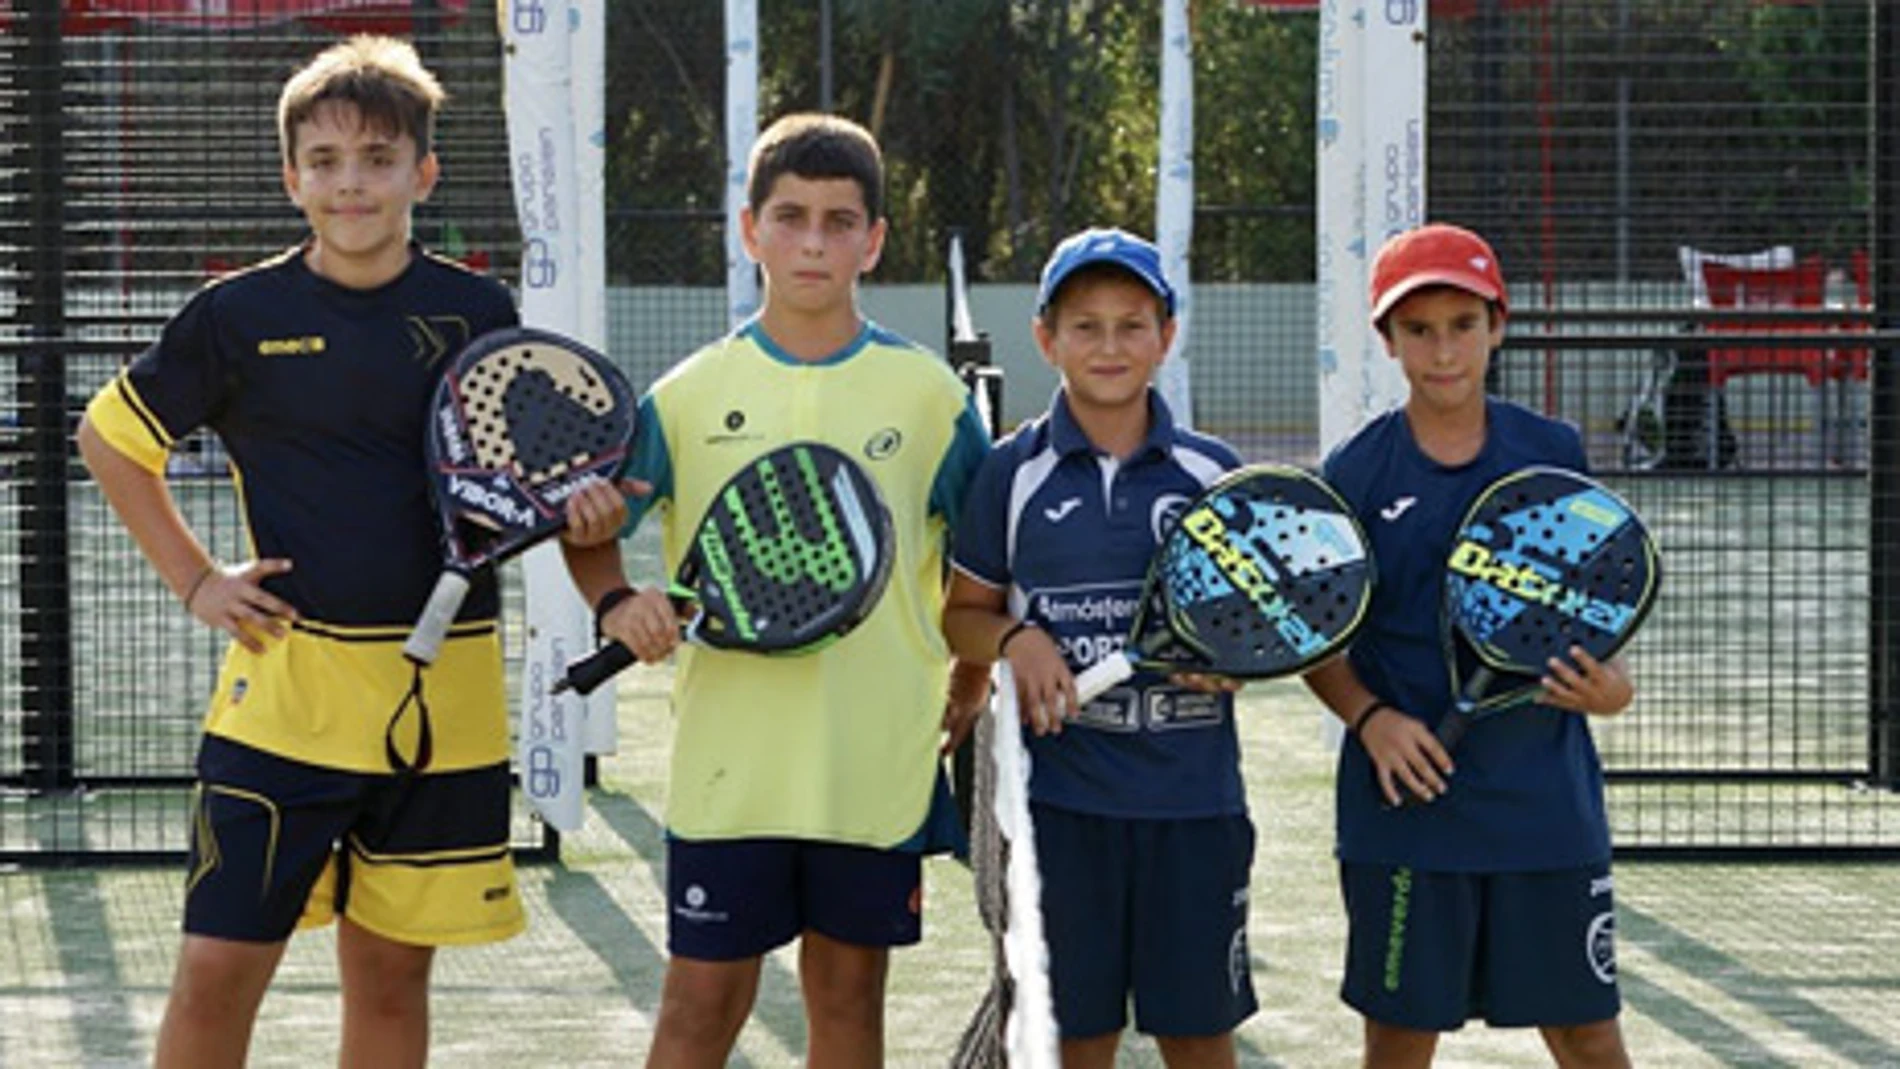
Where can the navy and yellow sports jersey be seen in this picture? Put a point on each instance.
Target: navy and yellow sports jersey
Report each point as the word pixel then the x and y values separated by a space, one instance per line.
pixel 1528 791
pixel 1068 533
pixel 319 394
pixel 838 745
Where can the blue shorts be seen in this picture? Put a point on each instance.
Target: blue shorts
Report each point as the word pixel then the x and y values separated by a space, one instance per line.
pixel 1152 908
pixel 1431 950
pixel 278 844
pixel 732 899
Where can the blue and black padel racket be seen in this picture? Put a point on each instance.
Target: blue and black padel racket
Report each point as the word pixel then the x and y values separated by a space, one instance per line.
pixel 1265 574
pixel 1545 560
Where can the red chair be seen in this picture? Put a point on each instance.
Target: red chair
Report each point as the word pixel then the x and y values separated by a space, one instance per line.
pixel 1802 285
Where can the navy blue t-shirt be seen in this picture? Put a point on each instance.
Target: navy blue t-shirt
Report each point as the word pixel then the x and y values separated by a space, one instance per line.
pixel 1528 791
pixel 1068 532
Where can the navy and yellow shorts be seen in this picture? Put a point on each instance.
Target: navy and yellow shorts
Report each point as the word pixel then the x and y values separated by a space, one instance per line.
pixel 277 844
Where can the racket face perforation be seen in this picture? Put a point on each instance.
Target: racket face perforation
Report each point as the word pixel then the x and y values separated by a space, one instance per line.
pixel 1265 574
pixel 520 417
pixel 792 553
pixel 1546 560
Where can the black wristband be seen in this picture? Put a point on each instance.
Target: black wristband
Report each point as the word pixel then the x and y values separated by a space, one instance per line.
pixel 197 583
pixel 606 605
pixel 1002 641
pixel 1359 722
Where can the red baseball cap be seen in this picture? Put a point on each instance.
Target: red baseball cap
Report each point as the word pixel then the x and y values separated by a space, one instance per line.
pixel 1436 254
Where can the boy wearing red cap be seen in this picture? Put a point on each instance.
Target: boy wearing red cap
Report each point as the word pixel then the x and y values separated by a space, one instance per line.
pixel 1494 900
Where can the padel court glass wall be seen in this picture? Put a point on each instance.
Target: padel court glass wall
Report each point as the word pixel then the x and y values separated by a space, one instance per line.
pixel 1695 205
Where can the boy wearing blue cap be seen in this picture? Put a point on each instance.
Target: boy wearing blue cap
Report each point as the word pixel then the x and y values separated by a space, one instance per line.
pixel 1140 811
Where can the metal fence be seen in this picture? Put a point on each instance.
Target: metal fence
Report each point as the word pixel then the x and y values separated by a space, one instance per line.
pixel 1594 141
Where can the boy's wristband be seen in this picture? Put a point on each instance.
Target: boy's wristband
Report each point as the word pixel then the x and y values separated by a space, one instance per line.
pixel 606 605
pixel 1358 723
pixel 192 591
pixel 1002 642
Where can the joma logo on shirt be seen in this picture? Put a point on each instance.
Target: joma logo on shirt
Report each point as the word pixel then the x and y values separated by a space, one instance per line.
pixel 308 345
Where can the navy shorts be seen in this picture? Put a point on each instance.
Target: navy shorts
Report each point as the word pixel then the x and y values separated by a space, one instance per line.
pixel 1156 909
pixel 732 899
pixel 1431 950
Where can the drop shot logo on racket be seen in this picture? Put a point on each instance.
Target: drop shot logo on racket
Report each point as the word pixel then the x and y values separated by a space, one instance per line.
pixel 1206 527
pixel 1527 582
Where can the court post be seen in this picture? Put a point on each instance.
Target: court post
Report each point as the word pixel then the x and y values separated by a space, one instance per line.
pixel 46 623
pixel 1884 415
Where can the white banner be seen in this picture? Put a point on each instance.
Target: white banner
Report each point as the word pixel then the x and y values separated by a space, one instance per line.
pixel 1174 200
pixel 742 126
pixel 587 98
pixel 1371 185
pixel 542 144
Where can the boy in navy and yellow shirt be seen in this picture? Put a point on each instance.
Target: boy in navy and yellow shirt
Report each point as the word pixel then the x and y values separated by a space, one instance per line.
pixel 315 368
pixel 804 791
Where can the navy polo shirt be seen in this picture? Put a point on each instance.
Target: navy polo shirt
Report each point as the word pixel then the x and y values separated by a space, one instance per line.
pixel 1528 791
pixel 1068 531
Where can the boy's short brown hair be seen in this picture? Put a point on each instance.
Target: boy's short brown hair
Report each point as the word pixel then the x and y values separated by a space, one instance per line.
pixel 815 145
pixel 382 78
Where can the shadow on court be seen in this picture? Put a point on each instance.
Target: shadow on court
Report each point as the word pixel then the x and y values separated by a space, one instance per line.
pixel 94 981
pixel 779 1009
pixel 1775 996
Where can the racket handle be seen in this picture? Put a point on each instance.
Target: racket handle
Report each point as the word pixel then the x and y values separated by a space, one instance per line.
pixel 425 640
pixel 1453 727
pixel 586 674
pixel 1103 674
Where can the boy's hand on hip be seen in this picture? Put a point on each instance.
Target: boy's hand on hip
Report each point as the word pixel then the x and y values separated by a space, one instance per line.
pixel 231 599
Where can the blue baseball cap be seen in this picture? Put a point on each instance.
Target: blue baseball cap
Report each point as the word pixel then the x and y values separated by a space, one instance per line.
pixel 1135 255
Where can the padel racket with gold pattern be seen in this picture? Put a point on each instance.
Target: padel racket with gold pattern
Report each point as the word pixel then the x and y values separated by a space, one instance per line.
pixel 519 421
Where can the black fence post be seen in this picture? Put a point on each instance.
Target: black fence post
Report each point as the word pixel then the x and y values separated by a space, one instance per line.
pixel 46 673
pixel 1884 415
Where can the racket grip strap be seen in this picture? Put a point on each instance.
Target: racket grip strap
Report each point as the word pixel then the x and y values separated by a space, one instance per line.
pixel 585 675
pixel 1097 678
pixel 425 639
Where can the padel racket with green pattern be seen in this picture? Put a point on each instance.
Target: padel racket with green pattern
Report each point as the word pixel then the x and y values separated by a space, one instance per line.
pixel 793 553
pixel 1546 559
pixel 1265 574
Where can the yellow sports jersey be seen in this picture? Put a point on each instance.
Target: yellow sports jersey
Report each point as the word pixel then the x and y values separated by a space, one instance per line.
pixel 838 745
pixel 319 394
